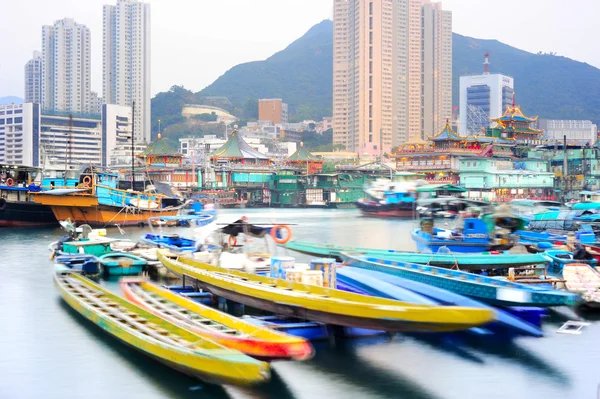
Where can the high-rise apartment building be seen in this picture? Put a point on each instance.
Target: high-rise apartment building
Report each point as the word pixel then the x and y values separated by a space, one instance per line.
pixel 272 109
pixel 483 98
pixel 126 61
pixel 33 79
pixel 392 72
pixel 65 66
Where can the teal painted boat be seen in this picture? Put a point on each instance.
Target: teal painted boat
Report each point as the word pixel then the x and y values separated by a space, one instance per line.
pixel 474 261
pixel 97 247
pixel 487 289
pixel 122 264
pixel 560 258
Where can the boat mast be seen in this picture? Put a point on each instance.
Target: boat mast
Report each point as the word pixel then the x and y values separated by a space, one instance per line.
pixel 132 145
pixel 68 160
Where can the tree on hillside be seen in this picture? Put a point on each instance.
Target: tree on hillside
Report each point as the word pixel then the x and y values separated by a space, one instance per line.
pixel 212 117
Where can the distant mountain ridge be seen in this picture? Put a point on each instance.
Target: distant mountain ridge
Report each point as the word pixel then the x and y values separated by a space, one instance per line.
pixel 545 85
pixel 10 100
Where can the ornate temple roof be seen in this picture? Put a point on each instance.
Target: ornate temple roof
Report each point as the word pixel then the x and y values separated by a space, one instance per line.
pixel 237 148
pixel 447 134
pixel 302 154
pixel 514 120
pixel 160 147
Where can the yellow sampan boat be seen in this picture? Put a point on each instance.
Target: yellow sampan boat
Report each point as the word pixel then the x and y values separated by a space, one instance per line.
pixel 327 305
pixel 174 346
pixel 229 331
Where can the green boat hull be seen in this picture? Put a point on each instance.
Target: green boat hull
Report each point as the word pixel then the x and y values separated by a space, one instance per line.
pixel 471 261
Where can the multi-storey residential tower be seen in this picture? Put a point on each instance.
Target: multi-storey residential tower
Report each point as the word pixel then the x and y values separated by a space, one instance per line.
pixel 65 66
pixel 392 72
pixel 33 79
pixel 126 61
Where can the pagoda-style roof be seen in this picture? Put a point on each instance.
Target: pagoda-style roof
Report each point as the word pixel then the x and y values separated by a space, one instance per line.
pixel 513 113
pixel 513 120
pixel 447 134
pixel 237 148
pixel 160 147
pixel 302 154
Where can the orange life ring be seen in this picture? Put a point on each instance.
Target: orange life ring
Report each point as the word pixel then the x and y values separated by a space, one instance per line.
pixel 10 182
pixel 87 181
pixel 232 240
pixel 286 238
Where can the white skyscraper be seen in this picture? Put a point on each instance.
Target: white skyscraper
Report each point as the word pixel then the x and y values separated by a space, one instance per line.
pixel 483 98
pixel 66 66
pixel 33 79
pixel 126 61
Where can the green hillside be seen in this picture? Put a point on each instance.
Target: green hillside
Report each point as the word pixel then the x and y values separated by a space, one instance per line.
pixel 300 75
pixel 546 85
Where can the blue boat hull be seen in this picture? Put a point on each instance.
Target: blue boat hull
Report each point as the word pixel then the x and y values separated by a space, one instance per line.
pixel 505 323
pixel 426 244
pixel 170 242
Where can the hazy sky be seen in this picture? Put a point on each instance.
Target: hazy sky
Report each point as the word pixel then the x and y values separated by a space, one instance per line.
pixel 196 41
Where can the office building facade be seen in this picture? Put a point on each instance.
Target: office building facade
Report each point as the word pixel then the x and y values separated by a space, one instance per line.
pixel 577 132
pixel 272 109
pixel 66 63
pixel 126 61
pixel 483 98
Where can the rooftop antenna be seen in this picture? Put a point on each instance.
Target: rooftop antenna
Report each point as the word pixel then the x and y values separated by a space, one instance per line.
pixel 486 63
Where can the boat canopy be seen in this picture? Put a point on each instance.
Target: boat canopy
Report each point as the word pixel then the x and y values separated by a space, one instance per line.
pixel 431 188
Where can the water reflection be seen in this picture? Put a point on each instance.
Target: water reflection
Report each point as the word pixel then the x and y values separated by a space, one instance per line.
pixel 342 360
pixel 166 380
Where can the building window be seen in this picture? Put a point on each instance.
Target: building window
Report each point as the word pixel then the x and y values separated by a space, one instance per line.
pixel 370 138
pixel 370 66
pixel 370 52
pixel 370 22
pixel 370 82
pixel 371 8
pixel 370 126
pixel 19 120
pixel 370 37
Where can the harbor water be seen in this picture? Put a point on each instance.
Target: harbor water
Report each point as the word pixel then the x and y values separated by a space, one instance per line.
pixel 49 351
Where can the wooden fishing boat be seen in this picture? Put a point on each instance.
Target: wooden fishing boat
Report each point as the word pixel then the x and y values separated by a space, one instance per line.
pixel 122 264
pixel 156 337
pixel 584 280
pixel 327 305
pixel 560 258
pixel 594 250
pixel 473 261
pixel 229 331
pixel 100 203
pixel 487 289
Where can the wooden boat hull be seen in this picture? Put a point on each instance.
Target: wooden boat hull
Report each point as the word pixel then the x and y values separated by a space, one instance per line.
pixel 584 280
pixel 486 289
pixel 374 209
pixel 476 261
pixel 260 343
pixel 215 366
pixel 324 304
pixel 85 209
